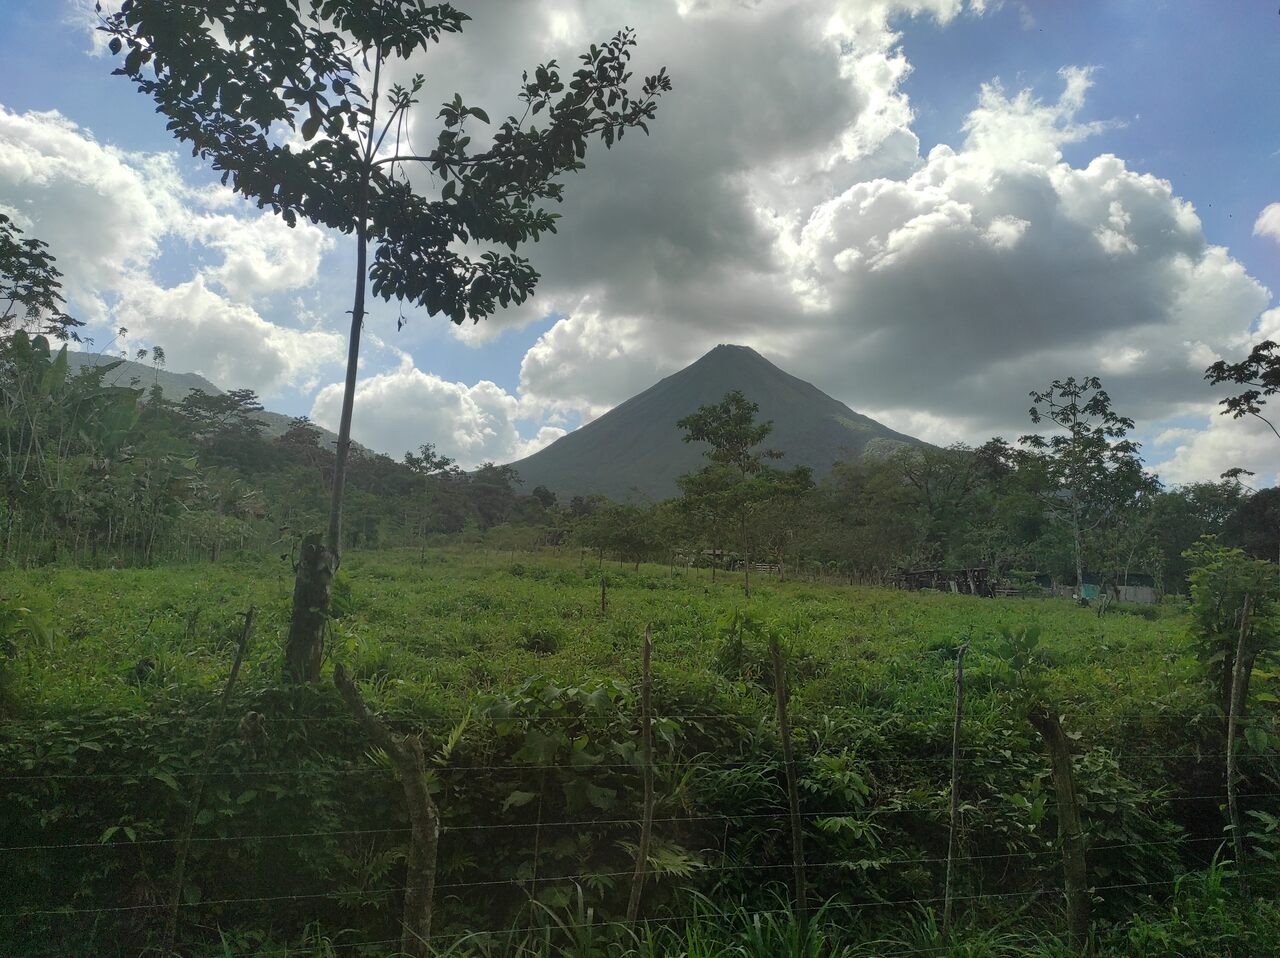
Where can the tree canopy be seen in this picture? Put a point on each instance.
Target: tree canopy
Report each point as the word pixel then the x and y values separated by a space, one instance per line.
pixel 31 287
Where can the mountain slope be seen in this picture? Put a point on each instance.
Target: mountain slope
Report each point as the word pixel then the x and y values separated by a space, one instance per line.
pixel 636 450
pixel 175 386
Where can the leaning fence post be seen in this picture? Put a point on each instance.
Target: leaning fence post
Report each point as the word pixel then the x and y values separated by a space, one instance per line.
pixel 955 787
pixel 1239 682
pixel 793 793
pixel 184 845
pixel 424 818
pixel 646 746
pixel 1070 829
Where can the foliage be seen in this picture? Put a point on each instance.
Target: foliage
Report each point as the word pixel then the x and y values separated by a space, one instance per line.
pixel 230 77
pixel 1259 371
pixel 723 498
pixel 1204 921
pixel 285 64
pixel 1093 479
pixel 133 659
pixel 1222 581
pixel 30 285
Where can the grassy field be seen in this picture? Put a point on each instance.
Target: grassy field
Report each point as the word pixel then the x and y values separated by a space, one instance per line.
pixel 525 692
pixel 465 622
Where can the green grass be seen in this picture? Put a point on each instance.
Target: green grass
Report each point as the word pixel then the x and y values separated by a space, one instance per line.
pixel 108 711
pixel 462 622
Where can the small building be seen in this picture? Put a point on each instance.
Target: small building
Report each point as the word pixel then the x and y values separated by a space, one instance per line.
pixel 1138 588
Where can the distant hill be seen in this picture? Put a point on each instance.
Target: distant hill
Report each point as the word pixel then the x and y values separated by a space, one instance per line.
pixel 176 386
pixel 636 451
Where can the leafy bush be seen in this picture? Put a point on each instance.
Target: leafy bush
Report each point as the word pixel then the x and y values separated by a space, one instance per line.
pixel 871 680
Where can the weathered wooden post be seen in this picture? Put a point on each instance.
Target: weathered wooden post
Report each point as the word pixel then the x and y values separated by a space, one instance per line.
pixel 793 793
pixel 1239 685
pixel 1070 830
pixel 955 788
pixel 646 753
pixel 424 818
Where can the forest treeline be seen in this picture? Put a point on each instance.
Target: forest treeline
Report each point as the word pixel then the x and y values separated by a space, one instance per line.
pixel 110 475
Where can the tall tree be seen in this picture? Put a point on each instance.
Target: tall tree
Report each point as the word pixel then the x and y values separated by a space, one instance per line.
pixel 1091 467
pixel 729 427
pixel 738 480
pixel 230 76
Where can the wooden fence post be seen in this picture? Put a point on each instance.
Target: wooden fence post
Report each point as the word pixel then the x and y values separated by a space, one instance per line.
pixel 793 793
pixel 604 582
pixel 646 745
pixel 1070 830
pixel 1240 670
pixel 955 787
pixel 184 845
pixel 424 818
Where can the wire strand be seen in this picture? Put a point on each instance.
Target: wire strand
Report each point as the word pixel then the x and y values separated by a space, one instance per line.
pixel 567 823
pixel 583 876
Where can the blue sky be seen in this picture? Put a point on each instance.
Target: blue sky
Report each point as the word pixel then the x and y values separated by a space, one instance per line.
pixel 816 225
pixel 1192 84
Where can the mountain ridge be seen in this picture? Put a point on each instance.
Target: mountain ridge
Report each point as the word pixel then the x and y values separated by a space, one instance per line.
pixel 636 451
pixel 176 386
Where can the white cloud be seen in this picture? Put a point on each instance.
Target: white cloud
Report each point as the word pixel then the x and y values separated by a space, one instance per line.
pixel 107 215
pixel 102 211
pixel 1268 222
pixel 781 202
pixel 580 358
pixel 229 343
pixel 85 15
pixel 1202 455
pixel 401 409
pixel 937 291
pixel 262 255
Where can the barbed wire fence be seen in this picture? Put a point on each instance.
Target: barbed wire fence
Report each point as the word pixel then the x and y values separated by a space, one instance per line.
pixel 791 822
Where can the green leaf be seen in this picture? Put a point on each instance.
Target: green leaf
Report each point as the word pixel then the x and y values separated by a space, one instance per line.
pixel 518 799
pixel 311 126
pixel 167 778
pixel 601 798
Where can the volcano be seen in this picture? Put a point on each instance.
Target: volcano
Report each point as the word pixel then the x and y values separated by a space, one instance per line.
pixel 635 451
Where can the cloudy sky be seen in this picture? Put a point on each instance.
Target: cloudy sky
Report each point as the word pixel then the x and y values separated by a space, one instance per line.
pixel 925 207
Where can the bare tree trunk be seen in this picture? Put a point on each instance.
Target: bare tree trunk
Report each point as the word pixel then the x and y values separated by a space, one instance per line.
pixel 955 788
pixel 793 793
pixel 312 590
pixel 318 563
pixel 424 818
pixel 1240 673
pixel 1070 830
pixel 193 809
pixel 646 745
pixel 1079 546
